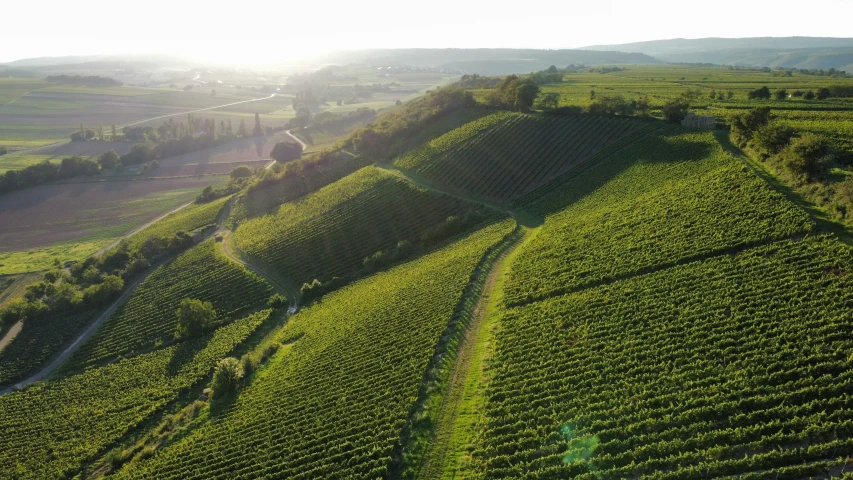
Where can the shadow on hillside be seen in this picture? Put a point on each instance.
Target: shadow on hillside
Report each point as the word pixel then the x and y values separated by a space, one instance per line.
pixel 185 352
pixel 820 217
pixel 659 147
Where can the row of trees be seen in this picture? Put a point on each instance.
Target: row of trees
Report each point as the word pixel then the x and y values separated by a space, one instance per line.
pixel 764 93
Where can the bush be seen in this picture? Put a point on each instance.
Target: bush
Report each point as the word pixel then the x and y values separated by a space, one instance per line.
pixel 762 93
pixel 278 301
pixel 744 125
pixel 194 316
pixel 226 377
pixel 809 95
pixel 773 137
pixel 781 94
pixel 807 157
pixel 674 111
pixel 241 172
pixel 823 93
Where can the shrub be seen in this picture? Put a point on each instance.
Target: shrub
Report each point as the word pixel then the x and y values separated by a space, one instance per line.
pixel 773 137
pixel 278 301
pixel 807 158
pixel 762 93
pixel 226 377
pixel 194 316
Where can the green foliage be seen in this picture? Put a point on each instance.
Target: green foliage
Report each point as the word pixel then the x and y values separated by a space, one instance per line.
pixel 762 93
pixel 771 138
pixel 278 301
pixel 241 172
pixel 673 196
pixel 194 317
pixel 51 430
pixel 703 370
pixel 334 403
pixel 226 377
pixel 781 94
pixel 109 159
pixel 745 124
pixel 148 317
pixel 328 233
pixel 505 155
pixel 188 219
pixel 284 152
pixel 675 110
pixel 807 157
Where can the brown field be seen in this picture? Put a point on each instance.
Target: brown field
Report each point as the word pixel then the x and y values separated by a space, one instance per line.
pixel 85 149
pixel 242 150
pixel 205 168
pixel 50 214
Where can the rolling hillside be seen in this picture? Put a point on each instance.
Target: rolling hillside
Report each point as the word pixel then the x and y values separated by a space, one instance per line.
pixel 330 232
pixel 521 296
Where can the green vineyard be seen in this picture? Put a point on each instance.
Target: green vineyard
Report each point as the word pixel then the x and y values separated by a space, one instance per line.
pixel 149 318
pixel 330 232
pixel 185 220
pixel 49 431
pixel 40 340
pixel 646 213
pixel 506 155
pixel 332 404
pixel 711 369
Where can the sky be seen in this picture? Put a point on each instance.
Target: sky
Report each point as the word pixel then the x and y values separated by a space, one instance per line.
pixel 268 32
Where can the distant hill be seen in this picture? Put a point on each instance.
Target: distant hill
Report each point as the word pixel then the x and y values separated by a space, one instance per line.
pixel 487 61
pixel 790 52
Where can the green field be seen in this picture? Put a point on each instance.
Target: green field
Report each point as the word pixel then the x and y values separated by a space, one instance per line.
pixel 329 233
pixel 148 318
pixel 42 258
pixel 543 295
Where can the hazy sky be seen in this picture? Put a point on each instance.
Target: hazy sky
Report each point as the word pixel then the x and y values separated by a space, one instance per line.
pixel 275 31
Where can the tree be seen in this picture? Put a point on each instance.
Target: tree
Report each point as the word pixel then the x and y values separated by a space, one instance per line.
pixel 241 130
pixel 549 100
pixel 114 135
pixel 284 152
pixel 226 377
pixel 139 153
pixel 809 95
pixel 109 159
pixel 278 301
pixel 773 137
pixel 194 316
pixel 762 93
pixel 807 157
pixel 257 130
pixel 781 94
pixel 241 172
pixel 713 95
pixel 525 95
pixel 823 93
pixel 675 110
pixel 744 125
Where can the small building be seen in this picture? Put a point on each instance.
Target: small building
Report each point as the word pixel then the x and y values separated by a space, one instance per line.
pixel 699 121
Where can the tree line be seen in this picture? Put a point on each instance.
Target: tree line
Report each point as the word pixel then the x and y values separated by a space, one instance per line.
pixel 86 81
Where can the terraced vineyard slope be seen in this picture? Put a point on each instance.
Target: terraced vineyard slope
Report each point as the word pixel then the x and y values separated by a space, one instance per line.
pixel 49 431
pixel 505 155
pixel 149 318
pixel 668 198
pixel 330 232
pixel 332 405
pixel 737 365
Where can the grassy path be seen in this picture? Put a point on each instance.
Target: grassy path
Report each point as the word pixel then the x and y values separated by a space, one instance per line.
pixel 461 409
pixel 281 285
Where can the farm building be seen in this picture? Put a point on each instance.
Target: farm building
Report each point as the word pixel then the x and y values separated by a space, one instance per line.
pixel 699 121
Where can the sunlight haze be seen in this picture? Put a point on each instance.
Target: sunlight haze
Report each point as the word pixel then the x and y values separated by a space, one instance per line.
pixel 267 32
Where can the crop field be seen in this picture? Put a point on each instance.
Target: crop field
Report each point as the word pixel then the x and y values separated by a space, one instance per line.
pixel 330 232
pixel 185 220
pixel 669 197
pixel 49 431
pixel 148 318
pixel 506 155
pixel 372 342
pixel 659 83
pixel 39 341
pixel 44 113
pixel 53 214
pixel 42 258
pixel 699 371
